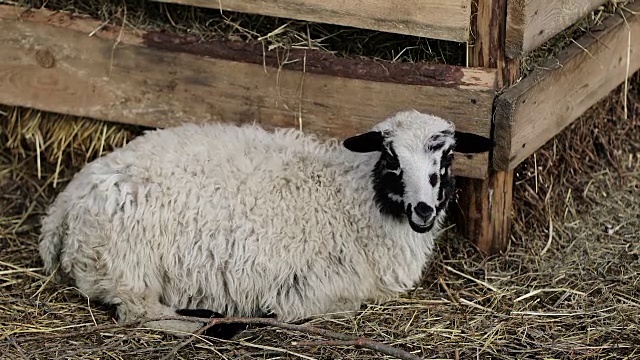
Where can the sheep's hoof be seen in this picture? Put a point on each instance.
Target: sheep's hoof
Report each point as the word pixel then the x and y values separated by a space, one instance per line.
pixel 220 331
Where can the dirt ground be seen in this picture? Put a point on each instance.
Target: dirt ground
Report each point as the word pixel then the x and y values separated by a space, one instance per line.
pixel 568 286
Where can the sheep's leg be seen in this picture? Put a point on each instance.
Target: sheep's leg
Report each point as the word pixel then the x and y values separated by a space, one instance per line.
pixel 134 308
pixel 220 331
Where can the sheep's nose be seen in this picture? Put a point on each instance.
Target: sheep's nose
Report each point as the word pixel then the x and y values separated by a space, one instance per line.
pixel 424 211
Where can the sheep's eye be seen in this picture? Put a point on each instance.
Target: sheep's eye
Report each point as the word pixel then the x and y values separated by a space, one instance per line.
pixel 433 180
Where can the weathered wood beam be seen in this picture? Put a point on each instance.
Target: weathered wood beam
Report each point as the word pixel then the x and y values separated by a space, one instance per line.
pixel 555 94
pixel 530 23
pixel 50 63
pixel 438 19
pixel 483 211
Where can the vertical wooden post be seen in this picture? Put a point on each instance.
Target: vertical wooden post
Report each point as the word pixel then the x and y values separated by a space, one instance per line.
pixel 483 211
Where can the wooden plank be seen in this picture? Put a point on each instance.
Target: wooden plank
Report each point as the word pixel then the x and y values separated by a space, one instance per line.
pixel 559 91
pixel 438 19
pixel 50 63
pixel 532 22
pixel 483 213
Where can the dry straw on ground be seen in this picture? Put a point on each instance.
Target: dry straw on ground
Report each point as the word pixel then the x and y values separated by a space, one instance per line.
pixel 566 290
pixel 571 293
pixel 568 287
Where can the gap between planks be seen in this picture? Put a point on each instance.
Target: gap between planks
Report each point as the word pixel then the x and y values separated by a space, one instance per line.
pixel 437 19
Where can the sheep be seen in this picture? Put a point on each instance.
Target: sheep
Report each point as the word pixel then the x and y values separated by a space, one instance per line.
pixel 218 220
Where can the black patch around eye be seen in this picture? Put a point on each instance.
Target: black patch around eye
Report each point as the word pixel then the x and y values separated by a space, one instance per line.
pixel 394 184
pixel 442 136
pixel 438 137
pixel 433 179
pixel 447 183
pixel 386 181
pixel 436 146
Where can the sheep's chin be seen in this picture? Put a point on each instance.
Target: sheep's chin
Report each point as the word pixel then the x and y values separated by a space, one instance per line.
pixel 421 229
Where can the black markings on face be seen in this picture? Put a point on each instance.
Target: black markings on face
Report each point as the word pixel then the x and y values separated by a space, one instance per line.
pixel 388 185
pixel 388 176
pixel 389 159
pixel 435 146
pixel 438 141
pixel 447 182
pixel 440 193
pixel 433 179
pixel 447 159
pixel 442 143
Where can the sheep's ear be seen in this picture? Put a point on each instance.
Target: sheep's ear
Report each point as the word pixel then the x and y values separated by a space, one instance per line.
pixel 468 143
pixel 364 143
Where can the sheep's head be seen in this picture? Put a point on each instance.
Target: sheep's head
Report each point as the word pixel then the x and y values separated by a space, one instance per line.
pixel 412 179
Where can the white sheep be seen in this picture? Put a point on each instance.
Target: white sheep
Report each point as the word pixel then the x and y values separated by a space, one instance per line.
pixel 222 220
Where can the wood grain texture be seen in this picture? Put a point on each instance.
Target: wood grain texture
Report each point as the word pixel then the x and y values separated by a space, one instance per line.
pixel 483 211
pixel 438 19
pixel 532 22
pixel 50 63
pixel 559 91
